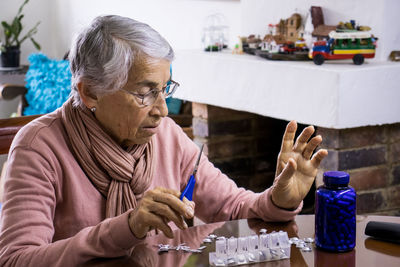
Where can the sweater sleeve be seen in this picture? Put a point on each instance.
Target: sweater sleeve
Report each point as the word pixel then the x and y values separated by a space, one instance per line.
pixel 27 229
pixel 218 198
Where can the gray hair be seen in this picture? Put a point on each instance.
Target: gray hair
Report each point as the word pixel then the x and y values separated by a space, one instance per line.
pixel 103 53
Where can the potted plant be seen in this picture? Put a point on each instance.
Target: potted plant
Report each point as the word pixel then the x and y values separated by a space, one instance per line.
pixel 10 48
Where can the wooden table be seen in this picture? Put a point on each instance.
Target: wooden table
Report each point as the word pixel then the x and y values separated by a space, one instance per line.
pixel 368 251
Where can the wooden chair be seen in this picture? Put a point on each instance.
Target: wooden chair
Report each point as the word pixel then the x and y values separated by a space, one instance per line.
pixel 9 128
pixel 11 91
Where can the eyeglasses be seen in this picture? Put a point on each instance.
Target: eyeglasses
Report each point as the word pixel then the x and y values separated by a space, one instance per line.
pixel 150 97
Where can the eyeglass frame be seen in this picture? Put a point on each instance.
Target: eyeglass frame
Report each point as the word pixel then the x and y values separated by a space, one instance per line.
pixel 152 91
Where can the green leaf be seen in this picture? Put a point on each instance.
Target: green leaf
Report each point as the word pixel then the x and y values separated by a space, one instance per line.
pixel 20 27
pixel 30 33
pixel 16 27
pixel 5 25
pixel 37 46
pixel 7 33
pixel 21 7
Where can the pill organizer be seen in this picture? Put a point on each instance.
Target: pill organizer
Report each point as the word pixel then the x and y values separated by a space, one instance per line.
pixel 250 249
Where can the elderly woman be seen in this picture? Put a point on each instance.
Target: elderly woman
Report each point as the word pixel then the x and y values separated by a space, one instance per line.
pixel 95 177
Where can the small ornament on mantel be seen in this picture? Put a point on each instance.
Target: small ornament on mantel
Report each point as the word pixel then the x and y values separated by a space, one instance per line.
pixel 238 49
pixel 395 56
pixel 215 33
pixel 285 40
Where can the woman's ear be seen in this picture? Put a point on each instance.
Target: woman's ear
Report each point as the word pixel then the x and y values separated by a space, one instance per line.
pixel 87 98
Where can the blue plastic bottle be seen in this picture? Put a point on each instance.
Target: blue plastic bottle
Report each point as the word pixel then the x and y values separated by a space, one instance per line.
pixel 335 213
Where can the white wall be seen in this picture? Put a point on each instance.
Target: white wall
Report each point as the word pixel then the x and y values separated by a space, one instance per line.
pixel 381 16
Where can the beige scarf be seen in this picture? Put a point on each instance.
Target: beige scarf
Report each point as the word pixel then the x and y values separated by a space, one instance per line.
pixel 122 176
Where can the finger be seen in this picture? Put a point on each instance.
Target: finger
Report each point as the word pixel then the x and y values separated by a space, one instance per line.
pixel 318 157
pixel 288 137
pixel 169 214
pixel 169 191
pixel 281 164
pixel 311 146
pixel 171 198
pixel 189 203
pixel 159 223
pixel 303 138
pixel 286 175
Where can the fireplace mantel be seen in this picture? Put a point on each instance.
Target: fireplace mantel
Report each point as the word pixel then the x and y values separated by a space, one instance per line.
pixel 335 95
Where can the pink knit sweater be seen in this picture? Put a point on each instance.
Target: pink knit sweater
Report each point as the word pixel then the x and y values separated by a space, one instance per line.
pixel 53 216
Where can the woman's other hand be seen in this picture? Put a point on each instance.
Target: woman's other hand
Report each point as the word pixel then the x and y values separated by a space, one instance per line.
pixel 156 209
pixel 296 167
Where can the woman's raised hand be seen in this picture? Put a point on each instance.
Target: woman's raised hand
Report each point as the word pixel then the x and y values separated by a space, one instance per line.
pixel 296 167
pixel 156 209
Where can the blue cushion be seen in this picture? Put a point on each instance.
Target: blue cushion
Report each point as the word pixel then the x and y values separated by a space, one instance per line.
pixel 48 82
pixel 174 105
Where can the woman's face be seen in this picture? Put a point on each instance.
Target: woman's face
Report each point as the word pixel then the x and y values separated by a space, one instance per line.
pixel 120 113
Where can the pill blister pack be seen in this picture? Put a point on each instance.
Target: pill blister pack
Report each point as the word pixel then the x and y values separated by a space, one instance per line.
pixel 181 247
pixel 304 245
pixel 250 249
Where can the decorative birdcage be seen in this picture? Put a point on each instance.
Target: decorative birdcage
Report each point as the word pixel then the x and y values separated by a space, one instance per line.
pixel 215 32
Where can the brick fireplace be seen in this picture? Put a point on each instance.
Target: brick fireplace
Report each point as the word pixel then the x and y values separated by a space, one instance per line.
pixel 371 155
pixel 245 147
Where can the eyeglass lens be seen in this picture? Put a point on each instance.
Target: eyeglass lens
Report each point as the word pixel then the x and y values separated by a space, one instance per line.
pixel 167 91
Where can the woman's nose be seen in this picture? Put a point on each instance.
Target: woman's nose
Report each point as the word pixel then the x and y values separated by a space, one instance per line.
pixel 160 107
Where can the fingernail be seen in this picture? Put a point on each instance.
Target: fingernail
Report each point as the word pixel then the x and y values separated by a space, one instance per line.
pixel 185 225
pixel 189 211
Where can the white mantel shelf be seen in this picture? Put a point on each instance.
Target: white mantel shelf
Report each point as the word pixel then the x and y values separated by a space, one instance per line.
pixel 335 95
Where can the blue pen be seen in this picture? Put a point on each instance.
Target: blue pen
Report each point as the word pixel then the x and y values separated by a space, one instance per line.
pixel 188 191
